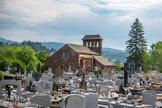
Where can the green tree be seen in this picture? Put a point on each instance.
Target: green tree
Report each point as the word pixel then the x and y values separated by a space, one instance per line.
pixel 42 56
pixel 146 63
pixel 118 66
pixel 27 56
pixel 37 46
pixel 7 54
pixel 136 45
pixel 3 62
pixel 19 57
pixel 156 55
pixel 18 64
pixel 39 66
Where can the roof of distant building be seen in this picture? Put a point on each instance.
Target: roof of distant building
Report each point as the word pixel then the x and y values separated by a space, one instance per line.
pixel 81 49
pixel 92 37
pixel 103 60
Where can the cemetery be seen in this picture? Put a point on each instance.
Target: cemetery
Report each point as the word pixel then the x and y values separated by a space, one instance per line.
pixel 133 90
pixel 78 82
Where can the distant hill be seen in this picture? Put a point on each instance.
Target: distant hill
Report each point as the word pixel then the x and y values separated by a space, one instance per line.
pixel 114 55
pixel 55 45
pixel 7 41
pixel 112 50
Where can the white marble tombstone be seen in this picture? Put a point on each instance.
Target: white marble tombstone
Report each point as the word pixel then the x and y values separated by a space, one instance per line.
pixel 43 85
pixel 73 101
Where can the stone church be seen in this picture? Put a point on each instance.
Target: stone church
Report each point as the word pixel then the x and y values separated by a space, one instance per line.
pixel 73 57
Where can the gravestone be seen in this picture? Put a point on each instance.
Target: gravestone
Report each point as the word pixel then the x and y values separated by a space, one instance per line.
pixel 93 81
pixel 73 101
pixel 48 75
pixel 43 100
pixel 31 87
pixel 58 80
pixel 26 81
pixel 104 89
pixel 45 78
pixel 131 68
pixel 105 75
pixel 91 100
pixel 149 97
pixel 43 85
pixel 1 96
pixel 36 76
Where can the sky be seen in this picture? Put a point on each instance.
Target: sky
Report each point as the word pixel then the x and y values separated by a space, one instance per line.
pixel 68 21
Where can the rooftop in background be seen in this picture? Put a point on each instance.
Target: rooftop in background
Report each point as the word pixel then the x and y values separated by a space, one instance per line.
pixel 91 37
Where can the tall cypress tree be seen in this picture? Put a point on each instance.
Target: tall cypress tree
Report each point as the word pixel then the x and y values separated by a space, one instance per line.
pixel 136 45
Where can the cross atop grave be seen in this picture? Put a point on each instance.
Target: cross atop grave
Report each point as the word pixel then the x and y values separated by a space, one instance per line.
pixel 49 69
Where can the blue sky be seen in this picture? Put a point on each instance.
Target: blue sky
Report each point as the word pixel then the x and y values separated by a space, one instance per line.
pixel 69 20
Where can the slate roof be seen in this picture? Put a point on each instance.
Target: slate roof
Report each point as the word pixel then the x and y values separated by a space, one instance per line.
pixel 103 60
pixel 92 37
pixel 81 49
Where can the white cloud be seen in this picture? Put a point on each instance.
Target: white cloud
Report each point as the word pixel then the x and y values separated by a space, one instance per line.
pixel 4 16
pixel 37 11
pixel 23 34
